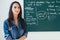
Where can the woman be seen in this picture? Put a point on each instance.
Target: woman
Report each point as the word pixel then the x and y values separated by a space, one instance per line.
pixel 14 26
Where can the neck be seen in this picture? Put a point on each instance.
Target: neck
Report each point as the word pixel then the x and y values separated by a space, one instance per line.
pixel 15 17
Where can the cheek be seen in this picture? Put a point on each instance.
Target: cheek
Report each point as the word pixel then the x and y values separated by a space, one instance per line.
pixel 19 10
pixel 13 10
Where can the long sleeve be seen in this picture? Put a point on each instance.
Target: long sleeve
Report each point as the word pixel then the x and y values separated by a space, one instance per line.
pixel 26 32
pixel 6 32
pixel 26 29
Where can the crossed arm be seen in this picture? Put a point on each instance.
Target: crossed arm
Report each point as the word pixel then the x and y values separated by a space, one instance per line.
pixel 7 35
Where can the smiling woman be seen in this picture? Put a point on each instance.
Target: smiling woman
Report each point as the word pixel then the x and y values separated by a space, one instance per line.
pixel 15 26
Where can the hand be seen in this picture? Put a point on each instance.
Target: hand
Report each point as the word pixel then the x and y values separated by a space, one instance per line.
pixel 22 38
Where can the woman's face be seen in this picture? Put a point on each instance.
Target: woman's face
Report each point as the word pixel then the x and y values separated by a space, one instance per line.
pixel 15 9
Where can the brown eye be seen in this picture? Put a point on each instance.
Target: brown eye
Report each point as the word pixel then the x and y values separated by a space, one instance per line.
pixel 18 7
pixel 14 7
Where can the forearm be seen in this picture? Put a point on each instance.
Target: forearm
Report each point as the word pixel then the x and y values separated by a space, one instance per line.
pixel 22 38
pixel 9 38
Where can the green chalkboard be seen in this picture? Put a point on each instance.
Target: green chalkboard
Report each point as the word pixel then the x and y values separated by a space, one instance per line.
pixel 42 15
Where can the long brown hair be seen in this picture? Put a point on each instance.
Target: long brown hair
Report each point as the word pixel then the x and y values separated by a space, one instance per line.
pixel 10 16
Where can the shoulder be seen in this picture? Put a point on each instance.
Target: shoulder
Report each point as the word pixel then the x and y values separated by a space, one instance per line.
pixel 5 24
pixel 6 21
pixel 23 20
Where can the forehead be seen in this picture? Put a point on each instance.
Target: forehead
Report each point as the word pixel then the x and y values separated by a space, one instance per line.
pixel 16 4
